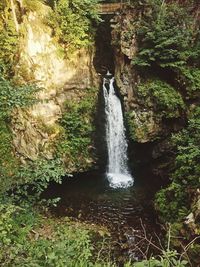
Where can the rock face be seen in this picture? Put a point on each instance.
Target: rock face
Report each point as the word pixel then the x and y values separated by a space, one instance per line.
pixel 41 61
pixel 147 124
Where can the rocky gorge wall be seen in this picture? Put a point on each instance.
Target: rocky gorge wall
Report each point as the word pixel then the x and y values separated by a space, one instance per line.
pixel 61 78
pixel 146 126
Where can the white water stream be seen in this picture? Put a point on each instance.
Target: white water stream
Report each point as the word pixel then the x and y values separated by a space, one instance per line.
pixel 118 172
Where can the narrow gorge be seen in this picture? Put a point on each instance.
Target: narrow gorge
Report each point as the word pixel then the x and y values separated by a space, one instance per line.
pixel 99 130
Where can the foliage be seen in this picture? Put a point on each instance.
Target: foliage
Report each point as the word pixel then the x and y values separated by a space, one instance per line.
pixel 29 239
pixel 167 35
pixel 168 256
pixel 8 39
pixel 8 162
pixel 168 47
pixel 168 39
pixel 32 179
pixel 9 35
pixel 131 125
pixel 173 202
pixel 12 96
pixel 71 22
pixel 166 100
pixel 42 170
pixel 167 260
pixel 164 35
pixel 188 152
pixel 189 78
pixel 76 141
pixel 29 5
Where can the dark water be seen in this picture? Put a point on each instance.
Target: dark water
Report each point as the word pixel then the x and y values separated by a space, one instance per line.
pixel 126 212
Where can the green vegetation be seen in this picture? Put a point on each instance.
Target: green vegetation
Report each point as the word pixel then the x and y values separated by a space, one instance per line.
pixel 34 177
pixel 188 152
pixel 11 97
pixel 8 38
pixel 168 44
pixel 72 22
pixel 168 48
pixel 189 79
pixel 76 143
pixel 27 237
pixel 168 259
pixel 163 97
pixel 167 58
pixel 30 239
pixel 73 25
pixel 28 5
pixel 174 201
pixel 177 201
pixel 162 39
pixel 8 162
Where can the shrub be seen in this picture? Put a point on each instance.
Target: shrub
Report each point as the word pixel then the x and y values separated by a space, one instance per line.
pixel 11 97
pixel 76 142
pixel 8 162
pixel 8 39
pixel 34 177
pixel 71 22
pixel 189 79
pixel 173 202
pixel 188 152
pixel 164 98
pixel 29 239
pixel 164 35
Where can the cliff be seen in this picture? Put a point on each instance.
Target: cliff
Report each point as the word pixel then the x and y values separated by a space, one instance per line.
pixel 62 78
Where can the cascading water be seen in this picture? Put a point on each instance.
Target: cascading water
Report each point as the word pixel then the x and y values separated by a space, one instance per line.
pixel 117 171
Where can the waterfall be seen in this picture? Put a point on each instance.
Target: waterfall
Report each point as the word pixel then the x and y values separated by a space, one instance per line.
pixel 117 170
